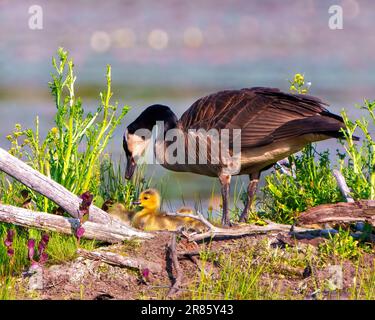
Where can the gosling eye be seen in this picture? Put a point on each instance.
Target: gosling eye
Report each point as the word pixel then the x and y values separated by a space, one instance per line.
pixel 145 198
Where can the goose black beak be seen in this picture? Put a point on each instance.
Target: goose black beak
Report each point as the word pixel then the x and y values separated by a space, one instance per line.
pixel 130 168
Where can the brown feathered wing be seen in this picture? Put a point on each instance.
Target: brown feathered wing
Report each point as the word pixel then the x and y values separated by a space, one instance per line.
pixel 264 115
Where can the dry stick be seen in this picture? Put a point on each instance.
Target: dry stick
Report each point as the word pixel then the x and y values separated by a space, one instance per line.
pixel 172 251
pixel 121 261
pixel 344 189
pixel 57 193
pixel 52 222
pixel 216 232
pixel 220 233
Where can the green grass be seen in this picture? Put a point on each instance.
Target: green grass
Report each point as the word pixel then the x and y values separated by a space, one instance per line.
pixel 358 162
pixel 260 272
pixel 364 284
pixel 311 183
pixel 248 273
pixel 61 248
pixel 341 245
pixel 238 278
pixel 73 153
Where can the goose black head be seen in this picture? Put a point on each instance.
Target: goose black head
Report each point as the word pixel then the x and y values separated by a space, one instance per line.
pixel 138 134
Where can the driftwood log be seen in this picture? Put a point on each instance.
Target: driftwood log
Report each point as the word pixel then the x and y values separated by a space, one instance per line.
pixel 121 261
pixel 56 223
pixel 58 194
pixel 348 212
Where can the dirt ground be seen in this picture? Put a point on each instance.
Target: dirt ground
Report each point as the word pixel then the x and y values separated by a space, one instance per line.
pixel 89 279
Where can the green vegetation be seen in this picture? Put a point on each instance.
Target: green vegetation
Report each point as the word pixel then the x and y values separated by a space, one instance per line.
pixel 240 276
pixel 261 271
pixel 357 164
pixel 310 183
pixel 74 154
pixel 60 248
pixel 70 153
pixel 341 245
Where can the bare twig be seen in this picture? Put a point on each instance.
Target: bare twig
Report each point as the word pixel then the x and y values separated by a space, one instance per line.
pixel 221 233
pixel 172 251
pixel 121 261
pixel 51 222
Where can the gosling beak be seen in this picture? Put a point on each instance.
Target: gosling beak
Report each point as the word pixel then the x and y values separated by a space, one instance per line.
pixel 136 203
pixel 130 168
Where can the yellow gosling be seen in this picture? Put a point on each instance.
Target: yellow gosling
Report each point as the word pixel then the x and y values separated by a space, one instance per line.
pixel 118 211
pixel 150 218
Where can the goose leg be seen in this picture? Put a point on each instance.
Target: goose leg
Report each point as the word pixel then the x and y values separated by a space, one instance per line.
pixel 225 183
pixel 251 190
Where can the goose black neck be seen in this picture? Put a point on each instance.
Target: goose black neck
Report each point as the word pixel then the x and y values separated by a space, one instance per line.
pixel 151 115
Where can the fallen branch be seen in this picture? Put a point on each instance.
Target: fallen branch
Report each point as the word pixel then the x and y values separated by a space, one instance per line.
pixel 346 212
pixel 56 223
pixel 121 261
pixel 234 232
pixel 57 193
pixel 172 251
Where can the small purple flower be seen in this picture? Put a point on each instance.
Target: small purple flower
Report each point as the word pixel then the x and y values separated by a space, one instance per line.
pixel 87 198
pixel 9 242
pixel 43 243
pixel 9 239
pixel 42 255
pixel 45 238
pixel 84 207
pixel 30 247
pixel 10 252
pixel 43 258
pixel 79 232
pixel 146 274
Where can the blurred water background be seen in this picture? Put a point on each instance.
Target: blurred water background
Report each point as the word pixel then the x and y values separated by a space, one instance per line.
pixel 174 52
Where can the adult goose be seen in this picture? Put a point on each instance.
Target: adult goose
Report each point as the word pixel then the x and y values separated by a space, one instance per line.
pixel 273 125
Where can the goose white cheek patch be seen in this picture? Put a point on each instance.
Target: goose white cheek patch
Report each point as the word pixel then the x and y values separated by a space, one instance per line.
pixel 136 145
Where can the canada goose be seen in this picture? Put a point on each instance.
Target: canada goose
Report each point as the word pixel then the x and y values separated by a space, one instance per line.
pixel 273 125
pixel 150 218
